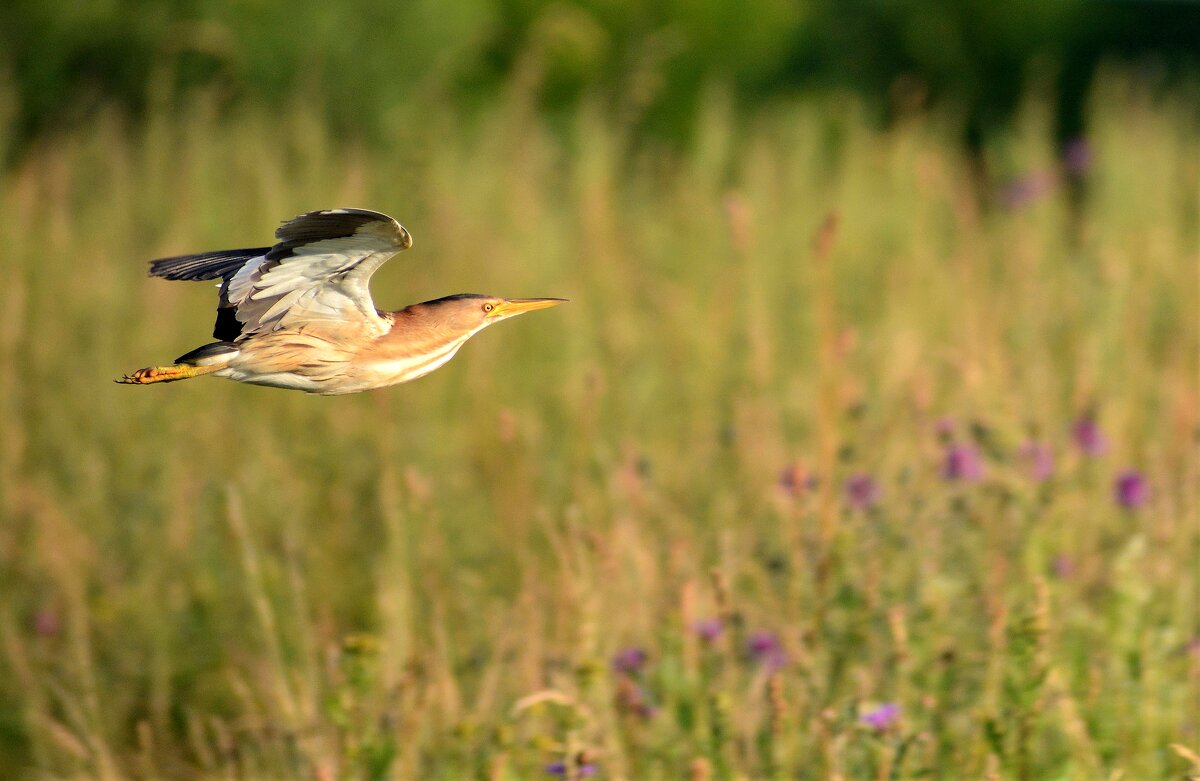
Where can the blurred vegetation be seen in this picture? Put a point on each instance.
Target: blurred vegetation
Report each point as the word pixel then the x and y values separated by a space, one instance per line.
pixel 371 64
pixel 613 538
pixel 513 568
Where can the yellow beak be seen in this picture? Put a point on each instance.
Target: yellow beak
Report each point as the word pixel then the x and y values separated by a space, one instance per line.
pixel 519 306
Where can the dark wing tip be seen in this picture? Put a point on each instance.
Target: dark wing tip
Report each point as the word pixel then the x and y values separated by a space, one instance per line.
pixel 205 265
pixel 338 224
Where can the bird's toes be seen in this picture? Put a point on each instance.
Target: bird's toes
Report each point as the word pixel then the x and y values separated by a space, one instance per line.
pixel 139 377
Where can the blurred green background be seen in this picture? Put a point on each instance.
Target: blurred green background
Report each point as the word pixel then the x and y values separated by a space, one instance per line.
pixel 865 449
pixel 369 65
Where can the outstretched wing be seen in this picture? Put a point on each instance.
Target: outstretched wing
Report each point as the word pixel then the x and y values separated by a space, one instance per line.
pixel 319 270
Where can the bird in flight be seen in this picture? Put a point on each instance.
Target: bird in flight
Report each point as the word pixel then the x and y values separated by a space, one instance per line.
pixel 299 314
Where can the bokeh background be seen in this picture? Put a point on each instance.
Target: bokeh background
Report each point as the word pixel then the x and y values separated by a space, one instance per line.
pixel 865 449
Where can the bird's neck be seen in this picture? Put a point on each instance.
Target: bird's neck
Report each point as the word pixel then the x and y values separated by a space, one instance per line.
pixel 417 331
pixel 413 347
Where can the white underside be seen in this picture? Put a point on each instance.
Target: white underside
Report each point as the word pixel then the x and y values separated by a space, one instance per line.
pixel 288 380
pixel 341 378
pixel 410 368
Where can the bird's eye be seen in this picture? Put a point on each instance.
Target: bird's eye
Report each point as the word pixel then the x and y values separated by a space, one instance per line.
pixel 488 307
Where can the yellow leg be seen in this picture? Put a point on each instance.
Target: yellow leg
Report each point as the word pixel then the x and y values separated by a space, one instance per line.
pixel 180 371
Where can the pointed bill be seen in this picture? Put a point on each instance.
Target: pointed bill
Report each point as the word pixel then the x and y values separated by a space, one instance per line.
pixel 519 306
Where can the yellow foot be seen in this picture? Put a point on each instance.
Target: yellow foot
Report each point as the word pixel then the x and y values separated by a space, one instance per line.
pixel 179 371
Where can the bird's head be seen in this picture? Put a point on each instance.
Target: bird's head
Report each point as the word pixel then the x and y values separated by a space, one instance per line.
pixel 469 313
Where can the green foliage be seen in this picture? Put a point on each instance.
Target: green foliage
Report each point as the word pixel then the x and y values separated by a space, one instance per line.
pixel 1023 688
pixel 207 580
pixel 369 64
pixel 367 741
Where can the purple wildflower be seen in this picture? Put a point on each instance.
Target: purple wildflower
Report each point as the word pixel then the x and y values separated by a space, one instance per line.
pixel 765 649
pixel 882 718
pixel 1026 189
pixel 645 710
pixel 762 642
pixel 862 492
pixel 1088 437
pixel 634 699
pixel 46 623
pixel 629 660
pixel 1077 156
pixel 1063 566
pixel 585 770
pixel 1130 489
pixel 1038 458
pixel 796 481
pixel 962 462
pixel 708 629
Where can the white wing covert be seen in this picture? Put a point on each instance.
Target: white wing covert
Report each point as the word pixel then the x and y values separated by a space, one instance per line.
pixel 319 270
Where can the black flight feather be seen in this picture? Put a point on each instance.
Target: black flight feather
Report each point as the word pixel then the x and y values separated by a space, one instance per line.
pixel 227 327
pixel 320 226
pixel 221 264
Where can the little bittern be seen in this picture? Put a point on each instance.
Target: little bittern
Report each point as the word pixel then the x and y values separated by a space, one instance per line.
pixel 299 314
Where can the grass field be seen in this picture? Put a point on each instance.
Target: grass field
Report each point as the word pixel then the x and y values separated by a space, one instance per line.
pixel 614 540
